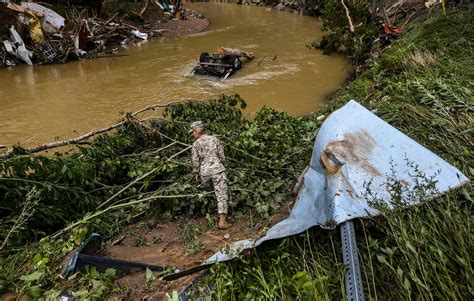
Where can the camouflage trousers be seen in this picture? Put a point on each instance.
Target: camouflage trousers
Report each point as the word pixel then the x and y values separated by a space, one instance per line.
pixel 219 182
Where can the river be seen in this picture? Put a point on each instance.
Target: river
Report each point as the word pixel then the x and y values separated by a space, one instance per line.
pixel 43 103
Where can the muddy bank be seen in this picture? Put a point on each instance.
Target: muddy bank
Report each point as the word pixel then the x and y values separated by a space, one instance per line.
pixel 164 244
pixel 178 27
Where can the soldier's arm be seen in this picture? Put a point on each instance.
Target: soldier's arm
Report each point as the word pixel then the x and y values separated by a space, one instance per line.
pixel 195 159
pixel 220 151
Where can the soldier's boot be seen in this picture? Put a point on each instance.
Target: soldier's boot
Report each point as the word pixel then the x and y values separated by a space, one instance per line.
pixel 223 225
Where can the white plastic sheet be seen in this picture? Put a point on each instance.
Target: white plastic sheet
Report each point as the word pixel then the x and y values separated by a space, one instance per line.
pixel 140 35
pixel 21 50
pixel 353 147
pixel 52 20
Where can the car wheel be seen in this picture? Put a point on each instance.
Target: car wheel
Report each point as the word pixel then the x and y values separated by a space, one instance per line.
pixel 236 63
pixel 203 57
pixel 233 61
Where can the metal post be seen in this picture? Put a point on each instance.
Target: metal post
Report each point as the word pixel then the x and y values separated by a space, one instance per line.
pixel 354 288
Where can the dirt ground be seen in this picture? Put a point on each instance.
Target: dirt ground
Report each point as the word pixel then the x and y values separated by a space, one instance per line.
pixel 175 28
pixel 163 245
pixel 184 22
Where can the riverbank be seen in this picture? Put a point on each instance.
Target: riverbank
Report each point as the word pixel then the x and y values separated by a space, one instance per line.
pixel 423 86
pixel 194 23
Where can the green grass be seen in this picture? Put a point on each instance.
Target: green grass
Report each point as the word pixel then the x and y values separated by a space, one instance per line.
pixel 423 86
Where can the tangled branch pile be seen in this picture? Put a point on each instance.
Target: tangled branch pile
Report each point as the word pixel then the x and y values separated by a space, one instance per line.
pixel 144 169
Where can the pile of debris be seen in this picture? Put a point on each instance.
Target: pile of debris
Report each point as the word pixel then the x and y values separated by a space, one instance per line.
pixel 186 14
pixel 34 34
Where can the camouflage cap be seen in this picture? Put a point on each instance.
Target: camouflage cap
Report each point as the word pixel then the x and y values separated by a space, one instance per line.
pixel 196 125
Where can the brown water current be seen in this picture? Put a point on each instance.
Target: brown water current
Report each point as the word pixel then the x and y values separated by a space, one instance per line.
pixel 43 103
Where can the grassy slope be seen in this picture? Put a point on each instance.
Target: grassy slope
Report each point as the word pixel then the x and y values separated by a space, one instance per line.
pixel 423 86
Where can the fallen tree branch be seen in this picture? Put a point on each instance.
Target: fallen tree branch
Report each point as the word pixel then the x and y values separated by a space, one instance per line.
pixel 145 7
pixel 351 25
pixel 150 153
pixel 56 144
pixel 299 182
pixel 153 107
pixel 387 19
pixel 176 141
pixel 118 206
pixel 79 139
pixel 140 178
pixel 25 214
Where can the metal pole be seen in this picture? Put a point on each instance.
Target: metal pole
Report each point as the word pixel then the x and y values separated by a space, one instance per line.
pixel 353 280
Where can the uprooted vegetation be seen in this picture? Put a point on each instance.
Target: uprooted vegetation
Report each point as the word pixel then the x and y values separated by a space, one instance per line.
pixel 423 86
pixel 143 169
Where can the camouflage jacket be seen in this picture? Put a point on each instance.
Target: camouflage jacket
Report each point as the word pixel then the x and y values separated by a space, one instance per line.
pixel 207 155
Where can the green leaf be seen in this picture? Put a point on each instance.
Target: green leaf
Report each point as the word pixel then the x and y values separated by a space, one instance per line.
pixel 382 259
pixel 34 292
pixel 400 272
pixel 110 273
pixel 174 296
pixel 411 247
pixel 33 276
pixel 149 275
pixel 406 284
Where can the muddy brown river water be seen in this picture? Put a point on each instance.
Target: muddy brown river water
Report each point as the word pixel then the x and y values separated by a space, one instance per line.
pixel 41 104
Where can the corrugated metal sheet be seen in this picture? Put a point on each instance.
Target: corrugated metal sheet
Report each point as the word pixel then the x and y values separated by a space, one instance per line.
pixel 354 147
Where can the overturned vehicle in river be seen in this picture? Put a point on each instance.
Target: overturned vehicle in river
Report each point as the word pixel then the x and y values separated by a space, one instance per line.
pixel 222 64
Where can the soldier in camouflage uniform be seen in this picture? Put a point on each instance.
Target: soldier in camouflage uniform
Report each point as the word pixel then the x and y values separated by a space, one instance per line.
pixel 208 158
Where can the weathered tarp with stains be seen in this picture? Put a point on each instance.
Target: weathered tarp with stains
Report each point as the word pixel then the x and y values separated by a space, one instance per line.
pixel 353 148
